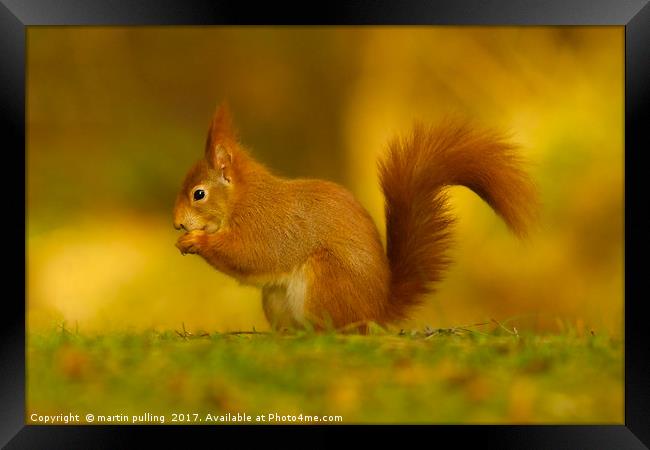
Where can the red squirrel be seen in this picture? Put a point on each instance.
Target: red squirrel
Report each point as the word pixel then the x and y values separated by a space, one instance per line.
pixel 315 251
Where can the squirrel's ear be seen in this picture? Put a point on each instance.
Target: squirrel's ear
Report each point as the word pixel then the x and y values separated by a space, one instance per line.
pixel 221 161
pixel 222 140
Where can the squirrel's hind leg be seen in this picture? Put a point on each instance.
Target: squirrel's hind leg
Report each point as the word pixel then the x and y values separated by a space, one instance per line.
pixel 342 298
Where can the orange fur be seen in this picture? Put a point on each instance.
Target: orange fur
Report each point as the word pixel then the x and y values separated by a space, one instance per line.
pixel 414 175
pixel 315 251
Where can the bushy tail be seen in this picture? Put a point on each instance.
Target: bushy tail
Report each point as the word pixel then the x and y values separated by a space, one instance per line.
pixel 414 174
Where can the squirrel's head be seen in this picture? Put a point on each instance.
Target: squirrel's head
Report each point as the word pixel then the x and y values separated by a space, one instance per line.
pixel 203 201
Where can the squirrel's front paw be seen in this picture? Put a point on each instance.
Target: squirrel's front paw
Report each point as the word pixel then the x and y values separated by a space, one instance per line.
pixel 190 242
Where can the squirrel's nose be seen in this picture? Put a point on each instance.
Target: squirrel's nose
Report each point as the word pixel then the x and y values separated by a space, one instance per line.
pixel 178 226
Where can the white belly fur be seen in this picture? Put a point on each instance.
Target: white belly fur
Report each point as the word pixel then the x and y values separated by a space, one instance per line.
pixel 295 285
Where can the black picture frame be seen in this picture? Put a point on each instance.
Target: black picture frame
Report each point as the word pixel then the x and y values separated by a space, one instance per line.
pixel 634 15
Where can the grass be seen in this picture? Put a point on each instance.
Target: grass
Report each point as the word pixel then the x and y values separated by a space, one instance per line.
pixel 435 376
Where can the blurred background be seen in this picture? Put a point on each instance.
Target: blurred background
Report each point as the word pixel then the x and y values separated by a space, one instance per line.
pixel 116 116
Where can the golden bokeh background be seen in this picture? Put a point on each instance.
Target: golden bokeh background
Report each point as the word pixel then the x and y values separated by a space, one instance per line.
pixel 116 115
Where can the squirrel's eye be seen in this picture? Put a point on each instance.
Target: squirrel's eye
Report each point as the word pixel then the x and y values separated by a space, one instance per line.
pixel 199 194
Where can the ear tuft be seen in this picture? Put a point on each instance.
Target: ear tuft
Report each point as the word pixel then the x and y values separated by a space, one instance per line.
pixel 221 142
pixel 222 131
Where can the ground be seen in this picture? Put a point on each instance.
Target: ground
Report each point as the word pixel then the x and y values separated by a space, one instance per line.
pixel 429 376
